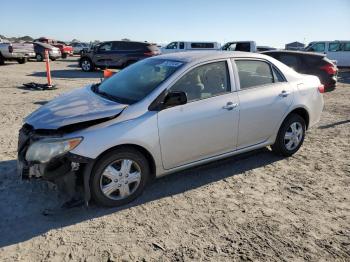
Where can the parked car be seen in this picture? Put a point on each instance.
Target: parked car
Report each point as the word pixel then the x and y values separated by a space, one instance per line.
pixel 245 46
pixel 39 48
pixel 334 50
pixel 116 54
pixel 182 46
pixel 65 49
pixel 164 114
pixel 15 52
pixel 309 63
pixel 78 48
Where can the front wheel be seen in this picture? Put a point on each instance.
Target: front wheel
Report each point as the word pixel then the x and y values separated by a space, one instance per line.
pixel 86 65
pixel 64 55
pixel 39 57
pixel 119 177
pixel 290 136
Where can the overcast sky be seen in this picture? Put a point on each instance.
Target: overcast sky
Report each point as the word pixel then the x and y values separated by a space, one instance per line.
pixel 268 22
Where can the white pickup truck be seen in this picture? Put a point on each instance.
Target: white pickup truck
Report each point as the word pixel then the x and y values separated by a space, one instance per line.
pixel 19 52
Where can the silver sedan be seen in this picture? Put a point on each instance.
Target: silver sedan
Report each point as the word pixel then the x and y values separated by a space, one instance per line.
pixel 165 114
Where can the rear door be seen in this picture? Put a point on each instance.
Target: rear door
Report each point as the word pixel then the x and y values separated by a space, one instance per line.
pixel 264 98
pixel 339 51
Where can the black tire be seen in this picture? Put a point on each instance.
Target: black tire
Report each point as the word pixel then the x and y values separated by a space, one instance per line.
pixel 2 60
pixel 22 60
pixel 53 59
pixel 280 147
pixel 39 57
pixel 64 55
pixel 86 65
pixel 119 154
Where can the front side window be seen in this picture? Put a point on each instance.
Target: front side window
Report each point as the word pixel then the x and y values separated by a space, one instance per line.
pixel 334 47
pixel 135 82
pixel 182 45
pixel 172 45
pixel 106 47
pixel 318 47
pixel 254 73
pixel 204 81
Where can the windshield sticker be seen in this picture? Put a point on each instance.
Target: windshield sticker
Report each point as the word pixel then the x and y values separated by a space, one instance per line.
pixel 171 64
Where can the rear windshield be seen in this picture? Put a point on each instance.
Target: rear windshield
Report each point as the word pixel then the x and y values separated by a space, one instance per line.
pixel 135 82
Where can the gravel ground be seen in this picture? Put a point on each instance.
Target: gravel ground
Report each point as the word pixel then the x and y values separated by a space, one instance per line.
pixel 251 207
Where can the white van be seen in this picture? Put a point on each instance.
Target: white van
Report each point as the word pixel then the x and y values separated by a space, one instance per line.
pixel 181 46
pixel 335 50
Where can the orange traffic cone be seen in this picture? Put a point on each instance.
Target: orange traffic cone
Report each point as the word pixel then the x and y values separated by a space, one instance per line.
pixel 107 73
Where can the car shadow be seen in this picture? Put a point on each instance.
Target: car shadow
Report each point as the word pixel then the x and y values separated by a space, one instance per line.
pixel 344 76
pixel 69 73
pixel 29 209
pixel 334 124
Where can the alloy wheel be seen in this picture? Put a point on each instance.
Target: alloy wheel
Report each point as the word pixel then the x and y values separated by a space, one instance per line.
pixel 293 136
pixel 120 179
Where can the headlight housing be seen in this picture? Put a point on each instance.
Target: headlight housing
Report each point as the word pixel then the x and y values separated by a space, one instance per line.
pixel 44 150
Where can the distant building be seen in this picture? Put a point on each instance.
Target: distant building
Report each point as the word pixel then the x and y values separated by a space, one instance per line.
pixel 295 46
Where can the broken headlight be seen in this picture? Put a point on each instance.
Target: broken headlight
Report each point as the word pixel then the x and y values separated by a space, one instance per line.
pixel 44 150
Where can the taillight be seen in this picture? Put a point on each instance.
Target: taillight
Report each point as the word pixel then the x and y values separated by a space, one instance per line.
pixel 10 48
pixel 151 53
pixel 321 88
pixel 329 68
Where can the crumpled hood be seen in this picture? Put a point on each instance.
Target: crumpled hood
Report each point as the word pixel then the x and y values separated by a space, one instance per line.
pixel 78 106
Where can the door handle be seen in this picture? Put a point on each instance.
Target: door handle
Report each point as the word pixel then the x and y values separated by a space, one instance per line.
pixel 284 93
pixel 230 106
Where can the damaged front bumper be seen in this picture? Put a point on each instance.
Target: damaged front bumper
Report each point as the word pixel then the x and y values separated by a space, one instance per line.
pixel 75 170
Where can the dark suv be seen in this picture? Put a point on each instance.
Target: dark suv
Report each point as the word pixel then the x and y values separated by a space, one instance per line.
pixel 309 63
pixel 116 54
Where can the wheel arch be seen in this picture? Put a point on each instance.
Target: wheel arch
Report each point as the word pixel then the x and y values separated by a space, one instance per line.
pixel 141 149
pixel 301 111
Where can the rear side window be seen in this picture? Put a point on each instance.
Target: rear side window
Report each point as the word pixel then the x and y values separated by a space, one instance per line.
pixel 123 46
pixel 202 45
pixel 254 73
pixel 347 46
pixel 289 60
pixel 334 47
pixel 182 45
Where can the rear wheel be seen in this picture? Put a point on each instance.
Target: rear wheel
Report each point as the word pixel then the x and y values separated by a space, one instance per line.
pixel 22 60
pixel 119 177
pixel 290 136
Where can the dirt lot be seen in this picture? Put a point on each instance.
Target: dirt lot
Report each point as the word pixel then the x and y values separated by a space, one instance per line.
pixel 252 207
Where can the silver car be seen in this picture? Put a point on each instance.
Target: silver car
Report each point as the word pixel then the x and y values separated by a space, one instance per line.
pixel 164 114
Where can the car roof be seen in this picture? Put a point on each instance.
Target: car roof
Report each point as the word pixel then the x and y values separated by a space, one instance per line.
pixel 294 52
pixel 201 56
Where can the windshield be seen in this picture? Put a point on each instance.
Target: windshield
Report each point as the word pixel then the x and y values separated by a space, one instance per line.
pixel 135 82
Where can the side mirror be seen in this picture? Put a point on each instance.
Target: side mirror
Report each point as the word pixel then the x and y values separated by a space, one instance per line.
pixel 175 98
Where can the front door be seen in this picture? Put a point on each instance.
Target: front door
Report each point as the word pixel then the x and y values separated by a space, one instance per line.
pixel 207 125
pixel 103 55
